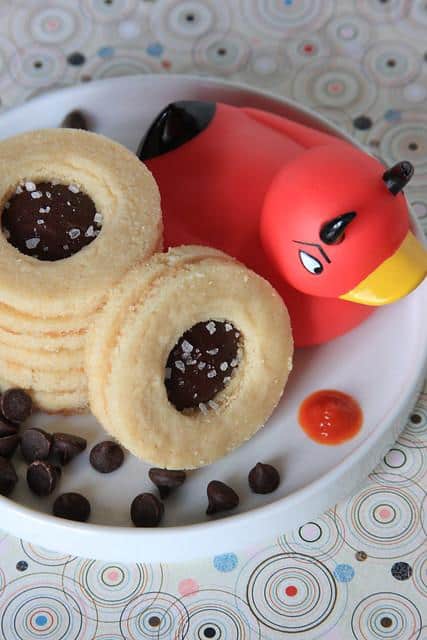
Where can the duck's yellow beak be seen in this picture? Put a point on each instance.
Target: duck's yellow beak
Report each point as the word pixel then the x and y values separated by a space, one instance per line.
pixel 395 277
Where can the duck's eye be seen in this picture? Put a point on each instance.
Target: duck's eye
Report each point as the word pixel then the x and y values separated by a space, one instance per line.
pixel 310 263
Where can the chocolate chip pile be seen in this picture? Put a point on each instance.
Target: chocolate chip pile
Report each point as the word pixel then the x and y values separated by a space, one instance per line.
pixel 50 221
pixel 46 454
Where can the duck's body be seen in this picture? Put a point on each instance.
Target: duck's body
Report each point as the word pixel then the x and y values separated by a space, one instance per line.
pixel 214 190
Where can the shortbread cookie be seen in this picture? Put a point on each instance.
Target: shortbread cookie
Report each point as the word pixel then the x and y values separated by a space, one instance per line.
pixel 50 381
pixel 49 342
pixel 96 211
pixel 107 325
pixel 64 402
pixel 199 363
pixel 13 320
pixel 59 361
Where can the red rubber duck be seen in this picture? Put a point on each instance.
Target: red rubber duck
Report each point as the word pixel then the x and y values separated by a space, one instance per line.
pixel 323 221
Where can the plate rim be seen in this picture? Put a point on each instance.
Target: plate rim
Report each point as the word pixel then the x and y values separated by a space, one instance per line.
pixel 155 539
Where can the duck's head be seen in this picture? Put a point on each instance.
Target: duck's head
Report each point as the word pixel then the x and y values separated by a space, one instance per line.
pixel 336 224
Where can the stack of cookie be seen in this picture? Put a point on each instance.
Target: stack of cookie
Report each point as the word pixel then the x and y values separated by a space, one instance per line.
pixel 78 211
pixel 188 357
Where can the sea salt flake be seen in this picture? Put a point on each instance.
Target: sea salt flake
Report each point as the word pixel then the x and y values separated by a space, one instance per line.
pixel 191 362
pixel 74 233
pixel 40 221
pixel 69 203
pixel 73 188
pixel 44 210
pixel 19 189
pixel 186 346
pixel 211 327
pixel 195 395
pixel 227 379
pixel 212 352
pixel 228 327
pixel 48 194
pixel 181 383
pixel 30 186
pixel 223 366
pixel 234 362
pixel 98 218
pixel 201 366
pixel 213 405
pixel 32 243
pixel 180 366
pixel 90 232
pixel 203 408
pixel 36 194
pixel 168 373
pixel 65 247
pixel 212 373
pixel 45 248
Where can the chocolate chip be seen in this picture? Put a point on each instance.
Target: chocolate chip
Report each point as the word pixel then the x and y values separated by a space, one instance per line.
pixel 166 481
pixel 362 122
pixel 8 445
pixel 35 444
pixel 8 477
pixel 66 446
pixel 263 478
pixel 386 622
pixel 7 429
pixel 106 456
pixel 16 405
pixel 50 221
pixel 75 120
pixel 72 506
pixel 401 571
pixel 42 477
pixel 146 510
pixel 76 59
pixel 201 364
pixel 221 497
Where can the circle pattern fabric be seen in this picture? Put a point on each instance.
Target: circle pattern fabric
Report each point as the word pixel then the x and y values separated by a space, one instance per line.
pixel 358 571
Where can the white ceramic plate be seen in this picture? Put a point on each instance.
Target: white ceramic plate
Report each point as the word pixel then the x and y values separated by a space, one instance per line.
pixel 380 363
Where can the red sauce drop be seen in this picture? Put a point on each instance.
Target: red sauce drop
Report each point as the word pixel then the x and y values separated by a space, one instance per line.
pixel 330 417
pixel 291 591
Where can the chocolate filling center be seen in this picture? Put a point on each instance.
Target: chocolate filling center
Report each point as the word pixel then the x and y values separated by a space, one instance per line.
pixel 50 221
pixel 201 364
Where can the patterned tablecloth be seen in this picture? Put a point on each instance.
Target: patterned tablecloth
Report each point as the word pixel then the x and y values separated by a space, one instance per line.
pixel 360 570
